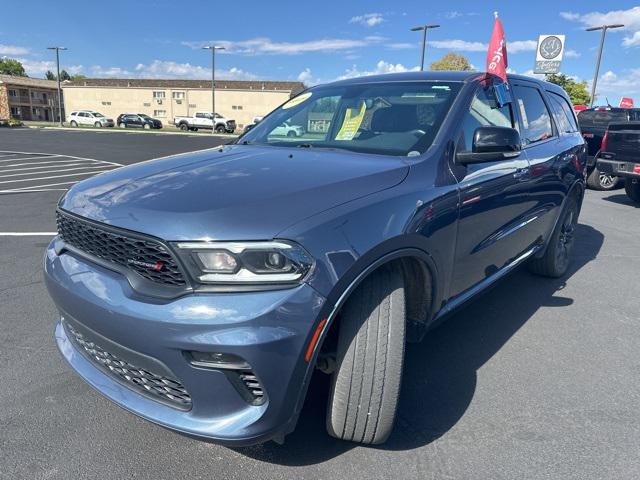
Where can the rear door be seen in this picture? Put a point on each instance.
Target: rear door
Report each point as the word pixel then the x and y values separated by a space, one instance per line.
pixel 494 200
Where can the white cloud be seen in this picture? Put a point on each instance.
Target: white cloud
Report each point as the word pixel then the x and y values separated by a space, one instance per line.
pixel 629 18
pixel 612 85
pixel 380 68
pixel 632 41
pixel 169 69
pixel 368 19
pixel 13 50
pixel 459 45
pixel 572 54
pixel 452 15
pixel 100 71
pixel 402 45
pixel 306 77
pixel 37 68
pixel 265 46
pixel 521 46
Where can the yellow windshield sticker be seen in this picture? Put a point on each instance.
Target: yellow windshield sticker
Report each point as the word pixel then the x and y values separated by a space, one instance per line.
pixel 297 100
pixel 352 121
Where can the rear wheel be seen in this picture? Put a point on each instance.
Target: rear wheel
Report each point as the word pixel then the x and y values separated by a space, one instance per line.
pixel 73 123
pixel 598 180
pixel 633 189
pixel 556 259
pixel 370 353
pixel 184 127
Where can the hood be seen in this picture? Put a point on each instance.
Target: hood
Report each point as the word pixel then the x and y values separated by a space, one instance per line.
pixel 232 193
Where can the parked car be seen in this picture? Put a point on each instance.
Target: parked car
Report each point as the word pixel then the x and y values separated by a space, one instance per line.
pixel 286 129
pixel 89 117
pixel 205 121
pixel 593 124
pixel 137 120
pixel 203 290
pixel 620 156
pixel 249 126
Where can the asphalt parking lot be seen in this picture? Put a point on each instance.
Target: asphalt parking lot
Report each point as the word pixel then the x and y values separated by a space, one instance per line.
pixel 537 379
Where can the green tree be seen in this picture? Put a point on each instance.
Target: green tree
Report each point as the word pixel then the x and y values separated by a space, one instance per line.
pixel 50 75
pixel 64 75
pixel 9 66
pixel 577 91
pixel 77 76
pixel 451 61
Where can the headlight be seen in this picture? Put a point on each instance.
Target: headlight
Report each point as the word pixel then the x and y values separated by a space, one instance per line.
pixel 246 263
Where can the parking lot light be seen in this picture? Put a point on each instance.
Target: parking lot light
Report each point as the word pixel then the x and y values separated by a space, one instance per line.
pixel 213 49
pixel 604 29
pixel 424 29
pixel 57 49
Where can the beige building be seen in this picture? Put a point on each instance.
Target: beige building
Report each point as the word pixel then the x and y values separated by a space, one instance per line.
pixel 25 98
pixel 166 99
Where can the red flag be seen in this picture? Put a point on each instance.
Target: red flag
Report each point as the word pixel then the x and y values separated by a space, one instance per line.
pixel 497 55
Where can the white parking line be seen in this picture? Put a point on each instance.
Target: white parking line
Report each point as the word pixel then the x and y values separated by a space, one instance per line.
pixel 28 234
pixel 29 158
pixel 51 171
pixel 50 177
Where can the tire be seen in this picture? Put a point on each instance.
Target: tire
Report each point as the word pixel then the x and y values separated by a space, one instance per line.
pixel 97 125
pixel 184 127
pixel 73 123
pixel 632 190
pixel 291 134
pixel 220 129
pixel 370 354
pixel 557 258
pixel 146 126
pixel 122 125
pixel 601 181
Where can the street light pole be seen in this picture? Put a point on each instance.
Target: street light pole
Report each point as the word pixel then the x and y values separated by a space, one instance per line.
pixel 424 29
pixel 57 49
pixel 604 29
pixel 213 49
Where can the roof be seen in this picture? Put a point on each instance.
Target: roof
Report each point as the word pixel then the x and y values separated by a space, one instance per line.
pixel 28 81
pixel 294 87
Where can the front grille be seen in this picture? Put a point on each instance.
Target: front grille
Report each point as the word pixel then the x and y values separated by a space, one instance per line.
pixel 157 387
pixel 148 258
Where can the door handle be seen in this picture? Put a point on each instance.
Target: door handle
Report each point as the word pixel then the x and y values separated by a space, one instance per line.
pixel 521 173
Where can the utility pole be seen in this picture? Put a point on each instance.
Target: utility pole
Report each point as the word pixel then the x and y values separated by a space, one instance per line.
pixel 213 49
pixel 604 29
pixel 424 29
pixel 57 49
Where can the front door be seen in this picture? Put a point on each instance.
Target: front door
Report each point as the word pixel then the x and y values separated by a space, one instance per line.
pixel 494 200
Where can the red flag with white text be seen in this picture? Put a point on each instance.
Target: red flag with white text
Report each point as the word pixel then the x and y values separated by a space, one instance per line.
pixel 497 55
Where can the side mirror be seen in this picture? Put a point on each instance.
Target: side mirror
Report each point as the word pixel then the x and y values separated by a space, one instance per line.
pixel 491 144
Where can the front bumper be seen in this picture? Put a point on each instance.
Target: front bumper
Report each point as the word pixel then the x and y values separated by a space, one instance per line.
pixel 269 330
pixel 619 168
pixel 108 123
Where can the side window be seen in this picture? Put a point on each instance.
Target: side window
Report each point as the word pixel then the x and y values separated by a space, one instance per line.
pixel 536 120
pixel 585 118
pixel 483 112
pixel 563 114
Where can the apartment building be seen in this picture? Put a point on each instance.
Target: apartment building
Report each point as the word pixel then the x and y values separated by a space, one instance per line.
pixel 26 98
pixel 166 99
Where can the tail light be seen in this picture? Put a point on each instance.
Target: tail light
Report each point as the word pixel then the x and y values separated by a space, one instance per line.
pixel 605 142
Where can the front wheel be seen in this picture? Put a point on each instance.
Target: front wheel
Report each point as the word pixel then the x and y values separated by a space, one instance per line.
pixel 632 189
pixel 97 125
pixel 598 180
pixel 370 354
pixel 291 134
pixel 146 126
pixel 122 125
pixel 556 259
pixel 220 129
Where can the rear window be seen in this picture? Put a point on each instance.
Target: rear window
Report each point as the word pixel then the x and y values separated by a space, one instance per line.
pixel 536 120
pixel 604 118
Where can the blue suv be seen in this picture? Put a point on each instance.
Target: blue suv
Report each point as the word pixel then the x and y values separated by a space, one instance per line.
pixel 201 291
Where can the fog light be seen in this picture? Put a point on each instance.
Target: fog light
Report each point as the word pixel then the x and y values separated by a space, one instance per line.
pixel 216 360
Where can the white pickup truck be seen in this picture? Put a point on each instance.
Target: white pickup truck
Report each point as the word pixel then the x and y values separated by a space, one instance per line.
pixel 204 120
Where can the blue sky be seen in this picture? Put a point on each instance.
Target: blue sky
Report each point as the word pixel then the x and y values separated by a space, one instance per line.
pixel 312 41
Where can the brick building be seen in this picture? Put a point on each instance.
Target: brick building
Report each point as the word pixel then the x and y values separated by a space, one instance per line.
pixel 26 98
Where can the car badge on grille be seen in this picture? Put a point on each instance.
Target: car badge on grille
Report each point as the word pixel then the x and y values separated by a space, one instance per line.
pixel 158 266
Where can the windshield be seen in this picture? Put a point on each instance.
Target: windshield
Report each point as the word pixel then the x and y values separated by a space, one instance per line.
pixel 400 118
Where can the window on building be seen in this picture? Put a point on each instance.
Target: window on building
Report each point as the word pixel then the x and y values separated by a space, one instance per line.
pixel 534 114
pixel 13 93
pixel 15 112
pixel 192 105
pixel 158 94
pixel 106 103
pixel 146 104
pixel 178 95
pixel 159 113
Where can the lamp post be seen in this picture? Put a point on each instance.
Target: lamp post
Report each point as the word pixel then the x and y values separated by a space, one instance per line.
pixel 604 29
pixel 213 49
pixel 424 29
pixel 57 49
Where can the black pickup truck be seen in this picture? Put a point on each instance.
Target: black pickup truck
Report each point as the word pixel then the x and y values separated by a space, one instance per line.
pixel 620 155
pixel 593 124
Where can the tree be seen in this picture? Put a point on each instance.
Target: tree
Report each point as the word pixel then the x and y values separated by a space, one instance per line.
pixel 64 75
pixel 50 75
pixel 9 66
pixel 451 61
pixel 77 76
pixel 577 91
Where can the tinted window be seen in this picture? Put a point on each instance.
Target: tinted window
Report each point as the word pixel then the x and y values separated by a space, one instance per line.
pixel 605 117
pixel 585 118
pixel 536 120
pixel 394 118
pixel 563 114
pixel 483 112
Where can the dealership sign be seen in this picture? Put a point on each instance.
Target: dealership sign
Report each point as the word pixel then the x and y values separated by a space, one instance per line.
pixel 549 54
pixel 626 102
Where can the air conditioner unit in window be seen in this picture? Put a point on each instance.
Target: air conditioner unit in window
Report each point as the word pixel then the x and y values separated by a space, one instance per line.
pixel 159 101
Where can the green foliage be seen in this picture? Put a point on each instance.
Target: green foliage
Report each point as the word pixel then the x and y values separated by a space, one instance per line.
pixel 9 66
pixel 64 75
pixel 577 91
pixel 50 75
pixel 77 76
pixel 451 61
